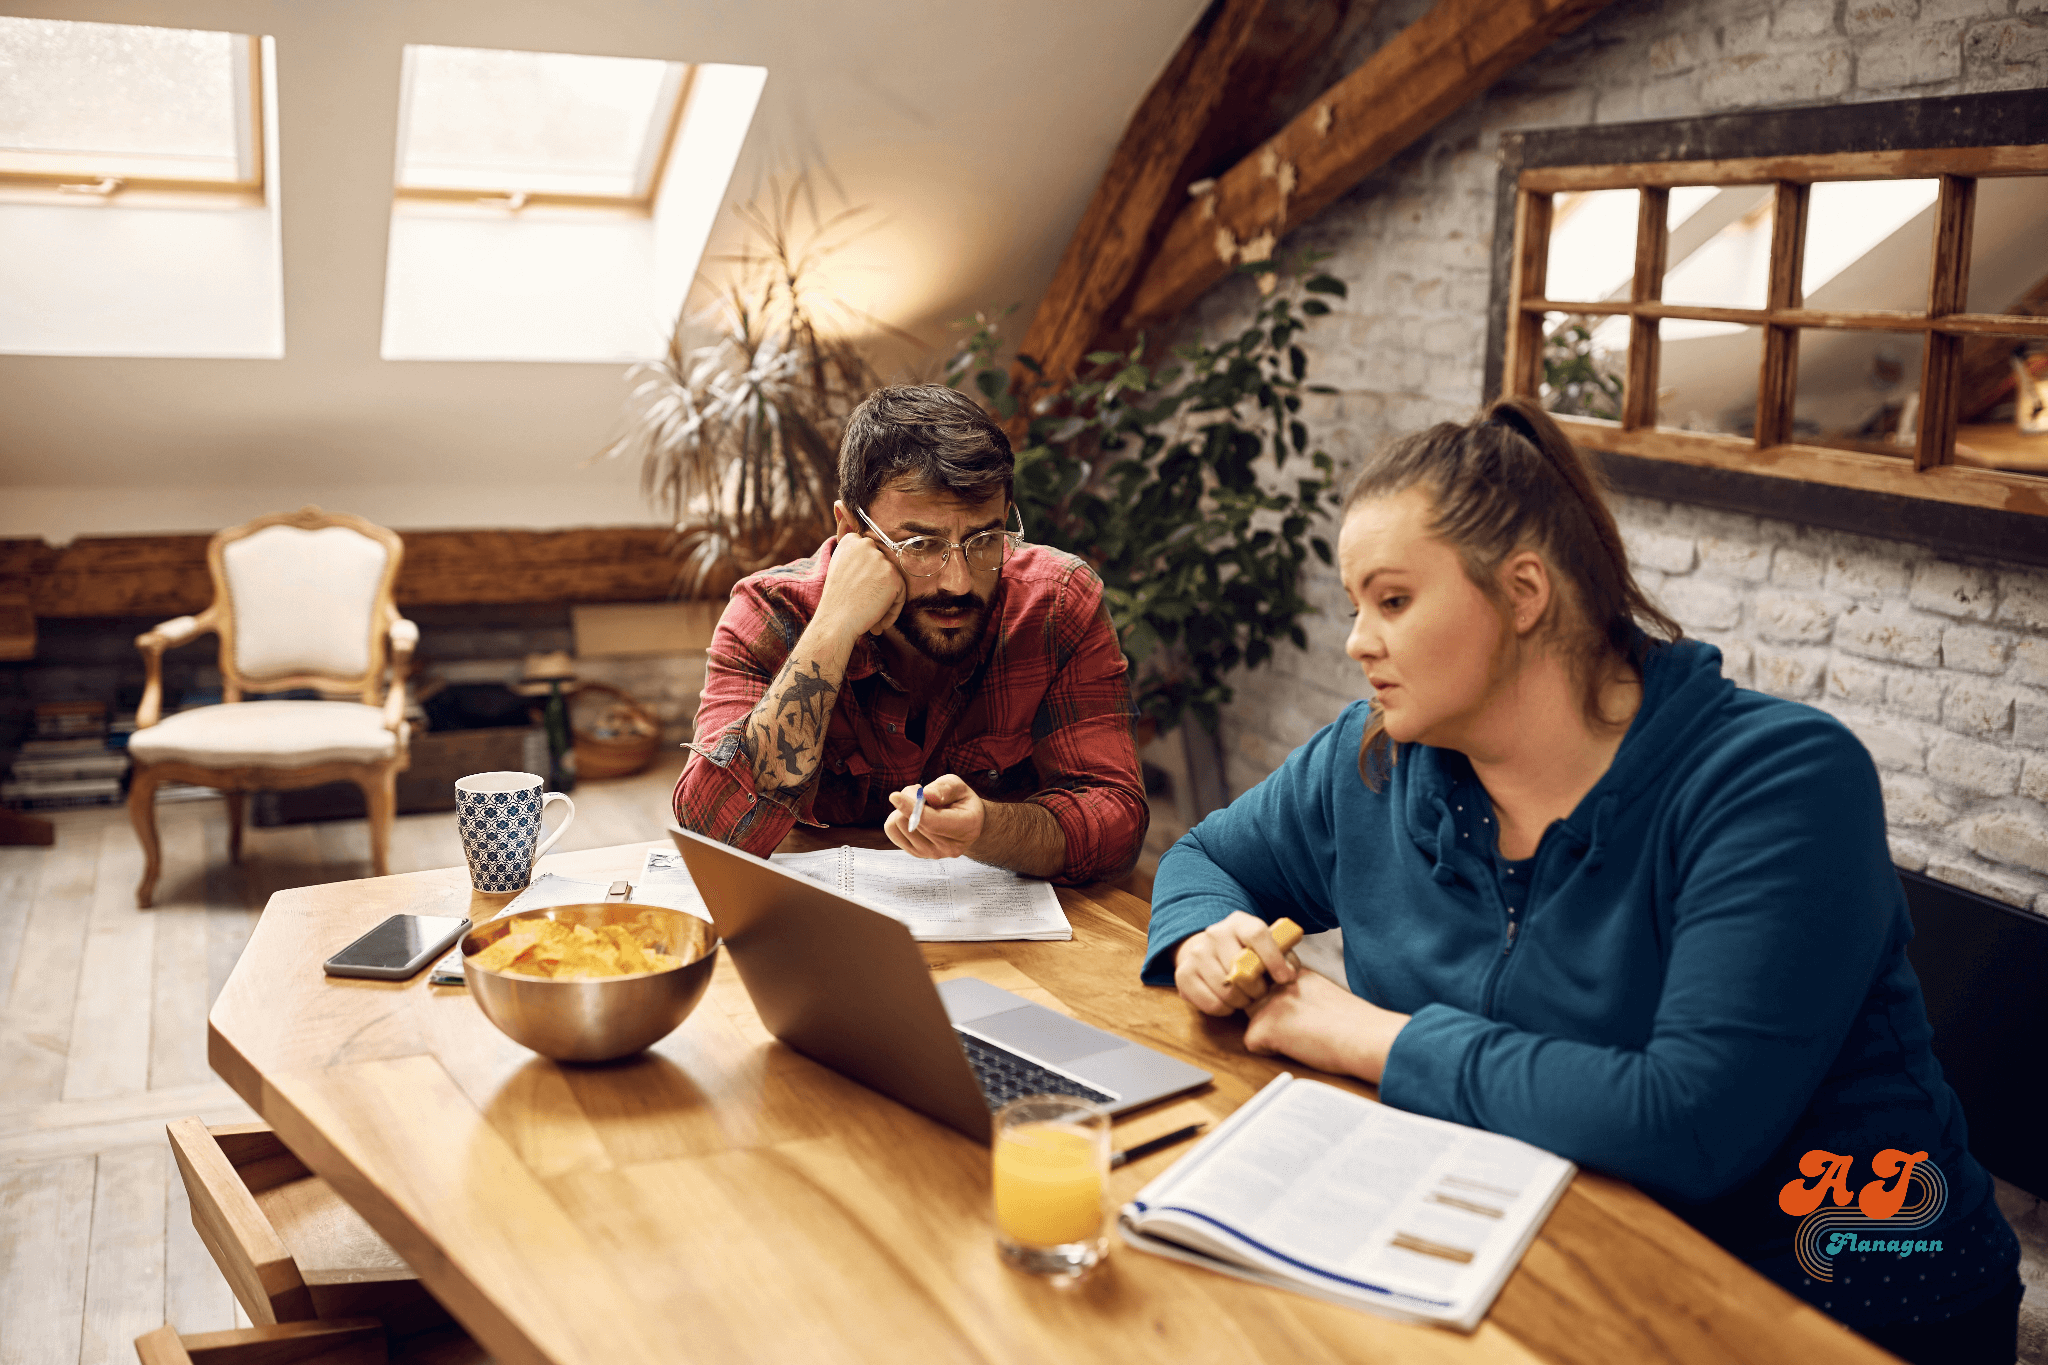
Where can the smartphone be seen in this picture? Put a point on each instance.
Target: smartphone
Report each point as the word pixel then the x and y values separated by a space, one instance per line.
pixel 397 948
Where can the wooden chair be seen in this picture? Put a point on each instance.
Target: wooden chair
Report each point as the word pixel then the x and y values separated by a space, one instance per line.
pixel 345 1341
pixel 300 600
pixel 351 1341
pixel 294 1252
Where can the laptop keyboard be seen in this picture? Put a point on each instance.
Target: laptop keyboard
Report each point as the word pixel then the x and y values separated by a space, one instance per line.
pixel 1005 1076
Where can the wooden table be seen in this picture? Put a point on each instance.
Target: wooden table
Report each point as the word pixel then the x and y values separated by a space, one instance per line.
pixel 721 1198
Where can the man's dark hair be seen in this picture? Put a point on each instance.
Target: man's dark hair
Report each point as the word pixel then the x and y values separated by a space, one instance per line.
pixel 937 438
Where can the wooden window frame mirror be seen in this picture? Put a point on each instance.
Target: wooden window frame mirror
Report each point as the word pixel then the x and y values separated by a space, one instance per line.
pixel 1927 497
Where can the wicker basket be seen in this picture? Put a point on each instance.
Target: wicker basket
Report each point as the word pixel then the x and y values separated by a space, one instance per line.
pixel 616 756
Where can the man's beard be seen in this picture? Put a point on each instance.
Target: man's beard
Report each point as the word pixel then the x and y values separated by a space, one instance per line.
pixel 944 645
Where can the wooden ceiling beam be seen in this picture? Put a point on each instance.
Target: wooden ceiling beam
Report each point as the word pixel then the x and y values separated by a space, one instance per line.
pixel 1417 79
pixel 1216 97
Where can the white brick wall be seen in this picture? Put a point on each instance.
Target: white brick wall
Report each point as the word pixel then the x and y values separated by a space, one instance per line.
pixel 1929 660
pixel 1940 666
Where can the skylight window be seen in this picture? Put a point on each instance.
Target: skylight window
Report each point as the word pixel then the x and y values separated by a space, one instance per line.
pixel 536 127
pixel 107 107
pixel 554 207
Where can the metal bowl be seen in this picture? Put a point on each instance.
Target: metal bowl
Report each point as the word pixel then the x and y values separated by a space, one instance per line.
pixel 597 1018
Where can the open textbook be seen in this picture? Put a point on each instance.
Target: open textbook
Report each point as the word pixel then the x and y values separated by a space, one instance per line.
pixel 1314 1189
pixel 952 900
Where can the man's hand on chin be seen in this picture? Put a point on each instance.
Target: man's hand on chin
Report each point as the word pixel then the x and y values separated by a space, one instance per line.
pixel 954 816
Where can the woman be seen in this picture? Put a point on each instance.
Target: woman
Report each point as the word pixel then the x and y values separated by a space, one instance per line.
pixel 1596 898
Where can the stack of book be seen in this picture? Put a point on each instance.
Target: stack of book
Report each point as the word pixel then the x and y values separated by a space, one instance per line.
pixel 68 761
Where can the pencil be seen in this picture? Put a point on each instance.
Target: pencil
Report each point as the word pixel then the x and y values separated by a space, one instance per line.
pixel 1152 1145
pixel 916 810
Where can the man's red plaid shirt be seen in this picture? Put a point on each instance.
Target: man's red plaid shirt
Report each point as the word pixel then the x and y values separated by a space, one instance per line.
pixel 1042 714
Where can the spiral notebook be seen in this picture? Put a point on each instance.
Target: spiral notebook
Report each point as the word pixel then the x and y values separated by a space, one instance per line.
pixel 950 900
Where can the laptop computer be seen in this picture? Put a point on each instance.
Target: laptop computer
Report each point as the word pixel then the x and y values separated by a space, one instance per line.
pixel 847 986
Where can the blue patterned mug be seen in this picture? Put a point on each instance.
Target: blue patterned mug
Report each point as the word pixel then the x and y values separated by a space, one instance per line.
pixel 498 815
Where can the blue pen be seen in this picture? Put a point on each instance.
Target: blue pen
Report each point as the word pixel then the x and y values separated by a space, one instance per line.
pixel 916 809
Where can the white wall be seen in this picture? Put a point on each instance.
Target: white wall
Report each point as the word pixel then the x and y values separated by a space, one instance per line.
pixel 107 279
pixel 976 133
pixel 465 283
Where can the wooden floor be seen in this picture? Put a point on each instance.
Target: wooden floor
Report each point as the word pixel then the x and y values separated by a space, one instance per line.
pixel 103 1040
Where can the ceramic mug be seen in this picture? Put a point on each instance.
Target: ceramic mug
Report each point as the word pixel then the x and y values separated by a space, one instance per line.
pixel 498 815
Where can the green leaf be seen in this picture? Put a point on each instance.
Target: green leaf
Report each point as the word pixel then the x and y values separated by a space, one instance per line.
pixel 1030 363
pixel 992 383
pixel 1326 284
pixel 1141 641
pixel 1164 479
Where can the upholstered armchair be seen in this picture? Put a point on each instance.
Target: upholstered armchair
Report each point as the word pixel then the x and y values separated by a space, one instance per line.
pixel 300 600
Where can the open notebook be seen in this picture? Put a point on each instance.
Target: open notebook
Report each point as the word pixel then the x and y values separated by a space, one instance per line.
pixel 1315 1189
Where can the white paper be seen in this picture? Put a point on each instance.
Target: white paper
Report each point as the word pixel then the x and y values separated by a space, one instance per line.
pixel 665 881
pixel 948 900
pixel 550 889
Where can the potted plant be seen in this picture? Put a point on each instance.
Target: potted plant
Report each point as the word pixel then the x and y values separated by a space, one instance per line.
pixel 738 439
pixel 1191 484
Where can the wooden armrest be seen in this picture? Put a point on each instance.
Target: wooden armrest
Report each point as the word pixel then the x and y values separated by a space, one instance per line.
pixel 153 642
pixel 170 634
pixel 405 637
pixel 257 1264
pixel 161 1347
pixel 339 1341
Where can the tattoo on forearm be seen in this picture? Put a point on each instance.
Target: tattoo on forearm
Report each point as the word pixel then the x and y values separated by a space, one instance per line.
pixel 786 738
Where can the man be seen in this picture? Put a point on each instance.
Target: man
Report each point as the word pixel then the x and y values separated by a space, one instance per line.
pixel 924 644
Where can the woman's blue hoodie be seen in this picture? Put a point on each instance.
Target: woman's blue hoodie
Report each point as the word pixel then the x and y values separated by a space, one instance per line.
pixel 1708 982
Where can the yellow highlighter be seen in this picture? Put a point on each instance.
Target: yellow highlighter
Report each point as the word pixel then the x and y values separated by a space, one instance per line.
pixel 1248 968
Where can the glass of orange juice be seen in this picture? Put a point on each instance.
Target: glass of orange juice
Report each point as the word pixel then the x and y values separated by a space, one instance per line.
pixel 1051 1160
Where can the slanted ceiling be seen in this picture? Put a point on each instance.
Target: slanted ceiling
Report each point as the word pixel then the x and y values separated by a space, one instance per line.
pixel 976 132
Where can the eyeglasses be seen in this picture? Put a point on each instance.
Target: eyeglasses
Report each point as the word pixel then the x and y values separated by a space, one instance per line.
pixel 926 556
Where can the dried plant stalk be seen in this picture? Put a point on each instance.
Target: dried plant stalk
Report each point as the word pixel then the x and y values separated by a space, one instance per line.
pixel 738 440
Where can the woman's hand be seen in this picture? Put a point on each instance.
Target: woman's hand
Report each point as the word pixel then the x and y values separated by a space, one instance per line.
pixel 1319 1023
pixel 1202 963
